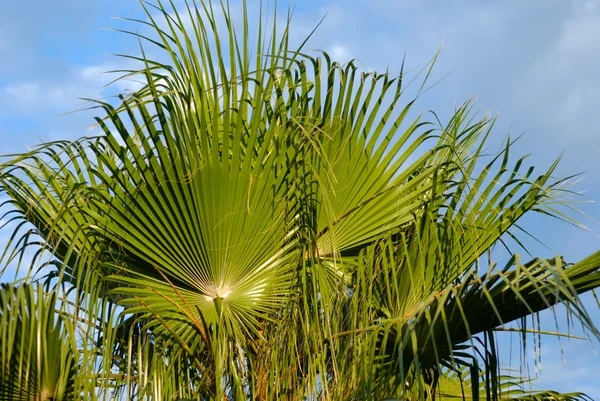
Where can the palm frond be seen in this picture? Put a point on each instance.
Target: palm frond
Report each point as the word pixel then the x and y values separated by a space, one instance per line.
pixel 37 348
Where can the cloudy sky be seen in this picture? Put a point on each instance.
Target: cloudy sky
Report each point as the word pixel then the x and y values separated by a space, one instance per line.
pixel 534 63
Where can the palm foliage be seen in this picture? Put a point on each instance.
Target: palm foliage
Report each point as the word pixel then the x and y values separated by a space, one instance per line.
pixel 38 356
pixel 260 223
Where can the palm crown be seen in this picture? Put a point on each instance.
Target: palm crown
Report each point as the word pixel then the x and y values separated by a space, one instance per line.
pixel 260 223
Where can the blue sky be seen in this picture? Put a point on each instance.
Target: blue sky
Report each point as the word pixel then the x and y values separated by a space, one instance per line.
pixel 534 62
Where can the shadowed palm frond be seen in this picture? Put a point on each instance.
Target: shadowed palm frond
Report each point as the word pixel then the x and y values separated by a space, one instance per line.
pixel 38 354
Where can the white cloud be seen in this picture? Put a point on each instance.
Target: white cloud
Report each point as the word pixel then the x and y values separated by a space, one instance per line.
pixel 340 53
pixel 29 96
pixel 580 34
pixel 549 70
pixel 3 44
pixel 92 72
pixel 23 92
pixel 63 95
pixel 100 76
pixel 571 107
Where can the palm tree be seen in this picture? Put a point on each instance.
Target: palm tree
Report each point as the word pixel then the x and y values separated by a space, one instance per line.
pixel 260 223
